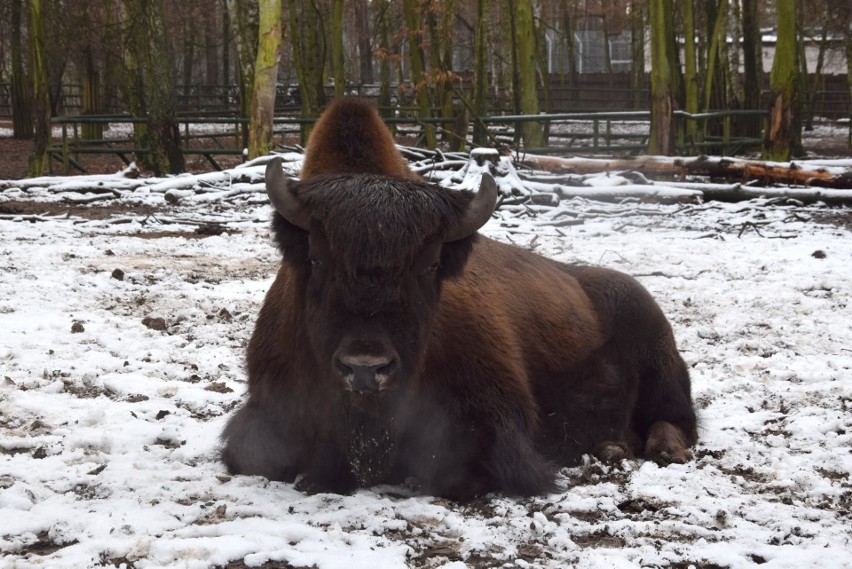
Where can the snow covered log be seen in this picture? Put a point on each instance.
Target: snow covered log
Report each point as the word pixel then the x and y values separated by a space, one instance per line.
pixel 818 174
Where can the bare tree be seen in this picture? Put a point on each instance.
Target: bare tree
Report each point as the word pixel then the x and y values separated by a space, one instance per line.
pixel 212 43
pixel 309 57
pixel 265 78
pixel 243 16
pixel 847 36
pixel 337 59
pixel 638 11
pixel 41 96
pixel 417 61
pixel 690 68
pixel 525 41
pixel 752 62
pixel 783 135
pixel 22 107
pixel 661 139
pixel 480 73
pixel 362 33
pixel 150 86
pixel 385 56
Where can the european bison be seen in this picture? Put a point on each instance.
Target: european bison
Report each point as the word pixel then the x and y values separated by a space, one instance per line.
pixel 397 343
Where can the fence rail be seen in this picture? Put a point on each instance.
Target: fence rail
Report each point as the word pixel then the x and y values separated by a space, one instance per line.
pixel 578 133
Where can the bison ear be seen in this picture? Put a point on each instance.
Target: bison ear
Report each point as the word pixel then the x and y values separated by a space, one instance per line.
pixel 282 197
pixel 478 211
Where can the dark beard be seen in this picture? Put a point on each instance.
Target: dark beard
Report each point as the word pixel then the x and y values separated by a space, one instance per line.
pixel 368 432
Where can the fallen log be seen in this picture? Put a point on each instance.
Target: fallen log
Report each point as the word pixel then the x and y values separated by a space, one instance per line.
pixel 799 173
pixel 740 193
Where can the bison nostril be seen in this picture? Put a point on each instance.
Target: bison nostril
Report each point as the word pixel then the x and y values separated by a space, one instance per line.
pixel 365 373
pixel 386 369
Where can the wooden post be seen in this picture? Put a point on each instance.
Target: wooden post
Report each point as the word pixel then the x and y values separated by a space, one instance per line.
pixel 65 160
pixel 726 134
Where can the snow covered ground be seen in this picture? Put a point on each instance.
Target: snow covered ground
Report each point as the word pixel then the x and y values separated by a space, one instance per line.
pixel 123 328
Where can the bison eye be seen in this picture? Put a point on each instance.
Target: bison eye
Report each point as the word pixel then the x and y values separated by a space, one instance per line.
pixel 433 267
pixel 314 262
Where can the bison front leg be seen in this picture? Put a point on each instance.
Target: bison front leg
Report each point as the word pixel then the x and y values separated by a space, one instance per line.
pixel 254 444
pixel 463 447
pixel 516 465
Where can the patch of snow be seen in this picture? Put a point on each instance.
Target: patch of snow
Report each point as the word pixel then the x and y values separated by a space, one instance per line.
pixel 109 433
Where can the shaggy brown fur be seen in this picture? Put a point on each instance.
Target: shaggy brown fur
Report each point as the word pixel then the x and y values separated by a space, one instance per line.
pixel 350 138
pixel 487 365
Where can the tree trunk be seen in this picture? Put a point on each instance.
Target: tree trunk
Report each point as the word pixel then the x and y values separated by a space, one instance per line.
pixel 637 52
pixel 690 69
pixel 782 137
pixel 150 86
pixel 713 90
pixel 365 53
pixel 752 64
pixel 848 37
pixel 55 32
pixel 439 25
pixel 385 92
pixel 446 69
pixel 308 44
pixel 509 19
pixel 803 97
pixel 417 61
pixel 211 47
pixel 226 48
pixel 533 134
pixel 113 65
pixel 166 155
pixel 265 79
pixel 39 160
pixel 661 138
pixel 337 48
pixel 244 29
pixel 188 62
pixel 542 69
pixel 22 107
pixel 480 73
pixel 818 80
pixel 570 24
pixel 134 73
pixel 91 97
pixel 732 57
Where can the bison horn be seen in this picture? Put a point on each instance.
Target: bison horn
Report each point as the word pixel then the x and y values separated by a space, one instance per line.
pixel 282 197
pixel 478 212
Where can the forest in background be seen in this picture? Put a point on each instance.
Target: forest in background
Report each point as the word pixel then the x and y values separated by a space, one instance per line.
pixel 454 59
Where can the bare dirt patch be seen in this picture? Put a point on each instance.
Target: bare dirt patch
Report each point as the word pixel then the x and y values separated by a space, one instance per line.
pixel 16 154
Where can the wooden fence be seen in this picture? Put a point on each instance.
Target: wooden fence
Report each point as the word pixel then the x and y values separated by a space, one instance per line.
pixel 575 133
pixel 586 92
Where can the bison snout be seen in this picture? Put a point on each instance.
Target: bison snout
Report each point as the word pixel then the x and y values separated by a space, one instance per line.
pixel 365 373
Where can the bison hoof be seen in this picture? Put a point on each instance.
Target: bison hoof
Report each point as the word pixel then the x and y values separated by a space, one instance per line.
pixel 611 452
pixel 666 444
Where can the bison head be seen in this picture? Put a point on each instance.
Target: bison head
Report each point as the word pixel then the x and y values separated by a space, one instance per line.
pixel 369 254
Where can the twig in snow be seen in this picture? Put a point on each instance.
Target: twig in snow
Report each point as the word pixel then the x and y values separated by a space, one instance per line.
pixel 563 222
pixel 32 218
pixel 78 199
pixel 662 274
pixel 747 225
